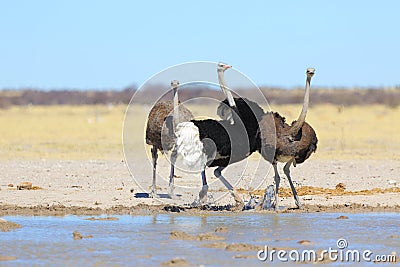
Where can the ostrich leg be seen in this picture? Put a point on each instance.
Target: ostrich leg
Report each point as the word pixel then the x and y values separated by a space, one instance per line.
pixel 286 169
pixel 218 174
pixel 277 181
pixel 204 189
pixel 154 156
pixel 171 186
pixel 203 192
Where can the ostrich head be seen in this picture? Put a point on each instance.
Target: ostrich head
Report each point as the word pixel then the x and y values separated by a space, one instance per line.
pixel 223 67
pixel 174 84
pixel 310 72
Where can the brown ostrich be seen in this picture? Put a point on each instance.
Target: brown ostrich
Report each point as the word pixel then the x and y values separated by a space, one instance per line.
pixel 292 144
pixel 163 138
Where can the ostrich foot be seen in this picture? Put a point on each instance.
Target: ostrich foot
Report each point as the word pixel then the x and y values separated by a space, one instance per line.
pixel 239 203
pixel 236 196
pixel 298 204
pixel 202 200
pixel 171 192
pixel 153 194
pixel 203 194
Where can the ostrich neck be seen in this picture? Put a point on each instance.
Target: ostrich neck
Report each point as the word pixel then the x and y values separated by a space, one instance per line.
pixel 176 108
pixel 225 89
pixel 302 117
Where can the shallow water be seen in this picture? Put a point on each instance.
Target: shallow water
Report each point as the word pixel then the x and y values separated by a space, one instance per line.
pixel 145 240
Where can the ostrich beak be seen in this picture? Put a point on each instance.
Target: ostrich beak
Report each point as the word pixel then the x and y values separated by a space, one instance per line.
pixel 310 72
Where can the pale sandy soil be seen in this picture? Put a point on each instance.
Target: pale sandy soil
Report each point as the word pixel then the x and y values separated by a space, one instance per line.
pixel 107 186
pixel 52 148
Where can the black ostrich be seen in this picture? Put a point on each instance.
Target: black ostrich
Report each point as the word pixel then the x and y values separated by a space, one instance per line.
pixel 220 143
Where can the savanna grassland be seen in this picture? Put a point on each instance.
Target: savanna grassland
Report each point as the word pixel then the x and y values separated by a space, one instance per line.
pixel 95 131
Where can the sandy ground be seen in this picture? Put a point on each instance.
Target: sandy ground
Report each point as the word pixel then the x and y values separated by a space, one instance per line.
pixel 93 187
pixel 354 169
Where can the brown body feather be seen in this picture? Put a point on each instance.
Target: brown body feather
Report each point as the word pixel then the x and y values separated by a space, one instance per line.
pixel 278 145
pixel 156 134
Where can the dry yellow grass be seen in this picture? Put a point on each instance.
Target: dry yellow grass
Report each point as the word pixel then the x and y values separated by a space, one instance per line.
pixel 61 132
pixel 95 132
pixel 357 132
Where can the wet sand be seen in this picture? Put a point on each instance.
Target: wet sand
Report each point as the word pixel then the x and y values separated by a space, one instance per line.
pixel 144 209
pixel 106 187
pixel 6 226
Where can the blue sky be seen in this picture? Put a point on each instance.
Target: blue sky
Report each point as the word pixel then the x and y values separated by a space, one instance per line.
pixel 114 44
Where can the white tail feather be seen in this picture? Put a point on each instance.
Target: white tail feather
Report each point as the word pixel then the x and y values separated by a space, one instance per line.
pixel 189 145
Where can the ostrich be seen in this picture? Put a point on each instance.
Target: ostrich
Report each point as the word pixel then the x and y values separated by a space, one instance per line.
pixel 162 138
pixel 220 143
pixel 293 144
